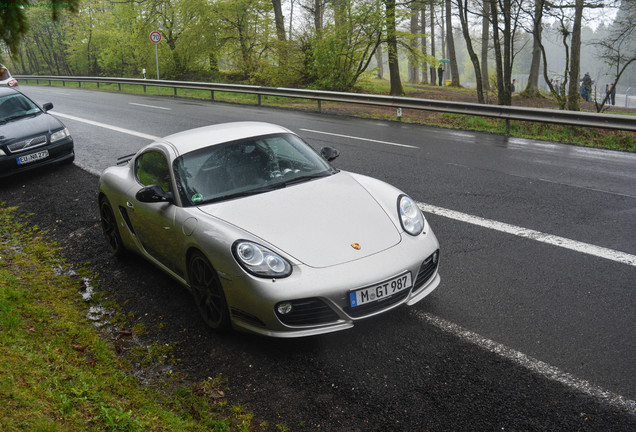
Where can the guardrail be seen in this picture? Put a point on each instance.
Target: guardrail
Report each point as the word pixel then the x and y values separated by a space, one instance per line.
pixel 572 118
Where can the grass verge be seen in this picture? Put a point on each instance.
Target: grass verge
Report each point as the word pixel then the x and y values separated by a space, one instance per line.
pixel 59 373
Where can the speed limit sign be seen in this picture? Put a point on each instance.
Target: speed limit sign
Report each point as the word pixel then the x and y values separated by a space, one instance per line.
pixel 155 37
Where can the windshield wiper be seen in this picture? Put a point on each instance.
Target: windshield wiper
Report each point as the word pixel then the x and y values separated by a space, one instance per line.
pixel 250 192
pixel 305 178
pixel 17 117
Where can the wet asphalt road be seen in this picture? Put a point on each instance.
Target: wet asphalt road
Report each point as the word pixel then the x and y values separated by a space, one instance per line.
pixel 569 309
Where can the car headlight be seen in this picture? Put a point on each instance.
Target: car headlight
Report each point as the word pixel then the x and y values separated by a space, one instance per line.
pixel 259 260
pixel 410 215
pixel 61 134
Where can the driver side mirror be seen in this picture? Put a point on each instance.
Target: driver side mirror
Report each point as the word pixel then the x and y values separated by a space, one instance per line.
pixel 329 153
pixel 153 194
pixel 47 106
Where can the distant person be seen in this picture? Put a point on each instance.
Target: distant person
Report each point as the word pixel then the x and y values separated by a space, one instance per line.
pixel 440 75
pixel 514 84
pixel 586 86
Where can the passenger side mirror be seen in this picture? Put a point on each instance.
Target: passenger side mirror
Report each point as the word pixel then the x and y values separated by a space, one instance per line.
pixel 153 194
pixel 47 106
pixel 329 153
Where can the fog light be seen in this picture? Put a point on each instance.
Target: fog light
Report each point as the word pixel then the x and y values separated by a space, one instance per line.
pixel 284 308
pixel 435 257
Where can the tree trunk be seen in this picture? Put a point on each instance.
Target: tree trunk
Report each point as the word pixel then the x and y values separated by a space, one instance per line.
pixel 279 19
pixel 532 89
pixel 318 16
pixel 451 46
pixel 463 19
pixel 494 13
pixel 423 43
pixel 575 59
pixel 380 61
pixel 485 32
pixel 394 67
pixel 413 63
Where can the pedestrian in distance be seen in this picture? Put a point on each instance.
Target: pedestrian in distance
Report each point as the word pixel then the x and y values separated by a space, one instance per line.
pixel 613 94
pixel 512 87
pixel 586 86
pixel 440 75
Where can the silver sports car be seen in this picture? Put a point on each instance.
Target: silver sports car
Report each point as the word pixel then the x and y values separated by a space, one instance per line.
pixel 265 233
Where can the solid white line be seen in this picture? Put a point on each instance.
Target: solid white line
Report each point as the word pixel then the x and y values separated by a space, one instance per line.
pixel 601 252
pixel 106 126
pixel 532 364
pixel 358 138
pixel 150 106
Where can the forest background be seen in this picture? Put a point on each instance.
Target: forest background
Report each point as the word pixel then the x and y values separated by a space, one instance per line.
pixel 544 45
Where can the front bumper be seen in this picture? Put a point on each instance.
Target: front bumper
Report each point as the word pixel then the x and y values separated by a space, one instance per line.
pixel 320 297
pixel 59 152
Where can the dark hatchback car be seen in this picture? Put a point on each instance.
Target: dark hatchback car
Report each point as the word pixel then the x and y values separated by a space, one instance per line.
pixel 29 136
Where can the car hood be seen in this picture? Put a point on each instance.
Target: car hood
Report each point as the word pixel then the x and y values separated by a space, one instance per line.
pixel 317 222
pixel 27 127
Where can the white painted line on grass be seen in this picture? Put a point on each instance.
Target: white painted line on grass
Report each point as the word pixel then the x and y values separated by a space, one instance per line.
pixel 106 126
pixel 550 372
pixel 358 138
pixel 150 106
pixel 598 251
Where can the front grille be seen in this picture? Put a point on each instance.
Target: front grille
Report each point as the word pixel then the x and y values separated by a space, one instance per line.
pixel 427 270
pixel 27 144
pixel 310 311
pixel 370 308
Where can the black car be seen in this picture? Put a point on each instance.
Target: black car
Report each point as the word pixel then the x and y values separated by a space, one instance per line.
pixel 29 136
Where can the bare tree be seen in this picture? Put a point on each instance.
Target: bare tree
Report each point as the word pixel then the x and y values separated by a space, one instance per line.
pixel 618 49
pixel 462 6
pixel 532 88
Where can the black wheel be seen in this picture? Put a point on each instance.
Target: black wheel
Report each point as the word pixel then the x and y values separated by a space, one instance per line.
pixel 110 229
pixel 208 293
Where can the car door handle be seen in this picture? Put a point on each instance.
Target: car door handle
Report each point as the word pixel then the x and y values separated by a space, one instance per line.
pixel 130 205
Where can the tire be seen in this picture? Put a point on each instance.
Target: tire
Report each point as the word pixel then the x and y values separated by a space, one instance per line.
pixel 208 293
pixel 110 228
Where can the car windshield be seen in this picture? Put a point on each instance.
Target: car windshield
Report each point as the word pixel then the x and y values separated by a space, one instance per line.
pixel 246 167
pixel 15 106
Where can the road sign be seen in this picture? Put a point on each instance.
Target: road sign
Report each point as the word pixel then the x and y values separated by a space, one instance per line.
pixel 155 37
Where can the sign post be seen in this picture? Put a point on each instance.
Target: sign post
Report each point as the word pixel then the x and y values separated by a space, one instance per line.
pixel 155 38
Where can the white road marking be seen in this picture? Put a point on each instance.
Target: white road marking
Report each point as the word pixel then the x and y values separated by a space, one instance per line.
pixel 598 251
pixel 537 366
pixel 107 126
pixel 150 106
pixel 358 138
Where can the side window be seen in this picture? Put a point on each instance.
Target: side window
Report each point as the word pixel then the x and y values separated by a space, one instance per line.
pixel 152 169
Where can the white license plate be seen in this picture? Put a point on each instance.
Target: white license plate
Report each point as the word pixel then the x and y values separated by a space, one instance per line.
pixel 33 157
pixel 380 291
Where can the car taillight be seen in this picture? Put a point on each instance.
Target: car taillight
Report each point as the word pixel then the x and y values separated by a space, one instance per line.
pixel 12 82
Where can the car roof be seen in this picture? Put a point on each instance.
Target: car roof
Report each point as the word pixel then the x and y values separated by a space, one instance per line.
pixel 4 91
pixel 195 139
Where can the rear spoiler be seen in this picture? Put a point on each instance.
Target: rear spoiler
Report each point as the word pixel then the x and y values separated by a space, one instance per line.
pixel 124 159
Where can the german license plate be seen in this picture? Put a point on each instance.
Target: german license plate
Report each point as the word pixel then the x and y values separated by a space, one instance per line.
pixel 22 160
pixel 380 291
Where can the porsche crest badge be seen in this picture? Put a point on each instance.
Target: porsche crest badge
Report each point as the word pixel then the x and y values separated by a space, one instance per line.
pixel 356 246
